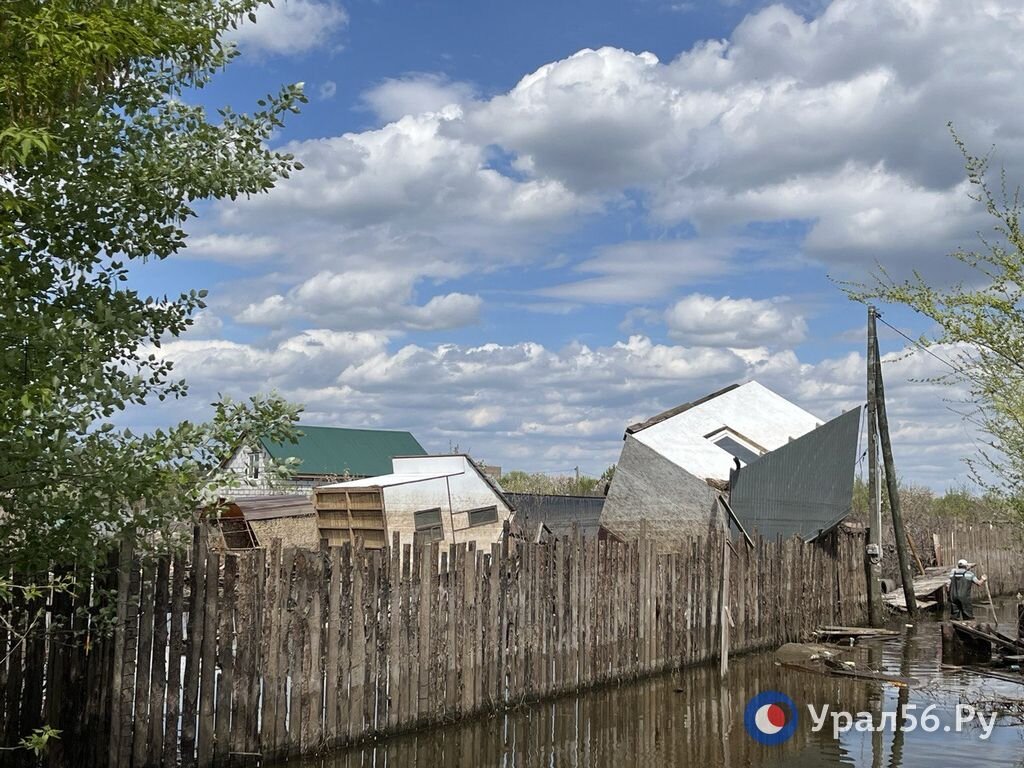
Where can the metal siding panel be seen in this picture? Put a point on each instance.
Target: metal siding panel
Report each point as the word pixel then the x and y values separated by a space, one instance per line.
pixel 803 487
pixel 558 512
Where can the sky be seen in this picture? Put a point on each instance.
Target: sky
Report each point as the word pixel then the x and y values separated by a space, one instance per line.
pixel 523 226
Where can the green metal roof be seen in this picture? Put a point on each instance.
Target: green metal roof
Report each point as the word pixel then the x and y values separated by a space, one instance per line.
pixel 333 450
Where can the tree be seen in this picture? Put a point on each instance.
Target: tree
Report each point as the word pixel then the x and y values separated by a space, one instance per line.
pixel 981 324
pixel 103 156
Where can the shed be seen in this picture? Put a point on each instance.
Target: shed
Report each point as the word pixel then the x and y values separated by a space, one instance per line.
pixel 424 498
pixel 255 521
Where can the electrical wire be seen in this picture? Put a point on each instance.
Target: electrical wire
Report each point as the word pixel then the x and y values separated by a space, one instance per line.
pixel 920 346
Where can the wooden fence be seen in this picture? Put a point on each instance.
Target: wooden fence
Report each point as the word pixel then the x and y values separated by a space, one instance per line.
pixel 220 659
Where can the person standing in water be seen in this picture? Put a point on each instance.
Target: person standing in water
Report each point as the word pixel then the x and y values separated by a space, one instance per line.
pixel 960 582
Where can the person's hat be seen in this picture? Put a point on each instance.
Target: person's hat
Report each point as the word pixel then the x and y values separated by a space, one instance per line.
pixel 963 564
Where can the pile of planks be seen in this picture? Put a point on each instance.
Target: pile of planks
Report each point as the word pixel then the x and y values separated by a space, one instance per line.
pixel 927 590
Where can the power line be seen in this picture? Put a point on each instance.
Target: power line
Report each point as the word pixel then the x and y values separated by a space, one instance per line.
pixel 921 346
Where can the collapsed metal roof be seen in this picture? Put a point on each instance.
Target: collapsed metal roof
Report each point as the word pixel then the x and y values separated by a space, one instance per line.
pixel 803 488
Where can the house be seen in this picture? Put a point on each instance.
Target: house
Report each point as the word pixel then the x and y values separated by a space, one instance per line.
pixel 255 521
pixel 737 444
pixel 443 498
pixel 558 513
pixel 325 454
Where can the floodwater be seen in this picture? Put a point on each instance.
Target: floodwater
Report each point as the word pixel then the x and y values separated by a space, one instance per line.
pixel 689 719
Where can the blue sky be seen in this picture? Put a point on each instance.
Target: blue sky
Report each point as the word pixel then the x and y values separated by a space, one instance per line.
pixel 522 226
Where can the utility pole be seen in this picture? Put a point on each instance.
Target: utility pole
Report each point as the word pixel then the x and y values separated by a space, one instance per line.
pixel 873 552
pixel 894 492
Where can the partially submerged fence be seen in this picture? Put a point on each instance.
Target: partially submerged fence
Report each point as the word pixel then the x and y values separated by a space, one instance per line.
pixel 283 652
pixel 222 658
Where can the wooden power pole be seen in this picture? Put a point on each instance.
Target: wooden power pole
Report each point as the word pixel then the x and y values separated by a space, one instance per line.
pixel 894 492
pixel 873 552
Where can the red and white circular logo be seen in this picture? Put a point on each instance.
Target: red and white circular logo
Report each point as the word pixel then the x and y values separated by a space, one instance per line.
pixel 770 718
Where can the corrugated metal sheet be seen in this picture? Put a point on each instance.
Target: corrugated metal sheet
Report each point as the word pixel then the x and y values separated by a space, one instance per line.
pixel 803 488
pixel 273 507
pixel 558 513
pixel 334 450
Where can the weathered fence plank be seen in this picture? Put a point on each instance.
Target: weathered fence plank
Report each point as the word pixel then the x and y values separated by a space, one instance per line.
pixel 208 663
pixel 225 659
pixel 169 752
pixel 140 712
pixel 158 688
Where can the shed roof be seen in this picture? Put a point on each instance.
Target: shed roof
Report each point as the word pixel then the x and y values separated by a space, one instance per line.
pixel 430 467
pixel 335 450
pixel 392 478
pixel 272 506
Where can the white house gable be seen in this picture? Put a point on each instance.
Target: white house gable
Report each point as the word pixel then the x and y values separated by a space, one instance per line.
pixel 745 423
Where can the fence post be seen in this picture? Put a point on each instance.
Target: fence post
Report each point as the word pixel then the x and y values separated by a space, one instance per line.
pixel 723 609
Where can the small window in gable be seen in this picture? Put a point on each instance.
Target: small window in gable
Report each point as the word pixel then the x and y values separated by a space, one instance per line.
pixel 483 516
pixel 736 445
pixel 252 465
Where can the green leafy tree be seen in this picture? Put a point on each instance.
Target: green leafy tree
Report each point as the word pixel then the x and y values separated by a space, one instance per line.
pixel 982 322
pixel 103 156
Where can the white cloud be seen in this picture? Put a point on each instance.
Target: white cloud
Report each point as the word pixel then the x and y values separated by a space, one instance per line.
pixel 404 200
pixel 291 26
pixel 734 323
pixel 408 175
pixel 415 94
pixel 239 248
pixel 633 271
pixel 205 325
pixel 363 300
pixel 311 358
pixel 842 116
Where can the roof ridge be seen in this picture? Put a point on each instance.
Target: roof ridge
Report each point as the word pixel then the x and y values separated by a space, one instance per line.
pixel 632 429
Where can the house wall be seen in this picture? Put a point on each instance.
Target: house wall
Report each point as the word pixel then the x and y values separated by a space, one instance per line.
pixel 260 487
pixel 455 495
pixel 651 495
pixel 238 465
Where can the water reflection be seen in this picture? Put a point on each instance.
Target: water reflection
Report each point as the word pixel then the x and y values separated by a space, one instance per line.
pixel 688 719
